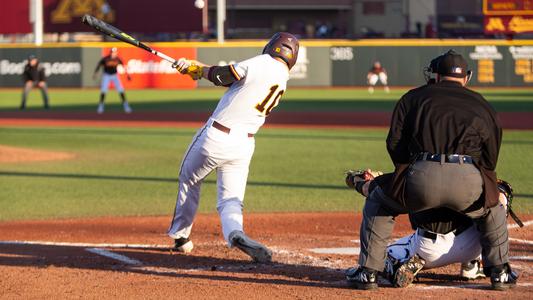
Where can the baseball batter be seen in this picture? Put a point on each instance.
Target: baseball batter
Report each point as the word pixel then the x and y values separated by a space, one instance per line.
pixel 226 142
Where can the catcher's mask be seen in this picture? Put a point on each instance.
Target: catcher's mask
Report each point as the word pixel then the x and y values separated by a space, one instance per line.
pixel 431 71
pixel 285 46
pixel 506 199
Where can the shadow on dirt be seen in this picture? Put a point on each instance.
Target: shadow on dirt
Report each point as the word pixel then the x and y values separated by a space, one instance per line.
pixel 164 263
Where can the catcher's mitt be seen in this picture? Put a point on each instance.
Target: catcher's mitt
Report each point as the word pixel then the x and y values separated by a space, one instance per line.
pixel 506 189
pixel 356 179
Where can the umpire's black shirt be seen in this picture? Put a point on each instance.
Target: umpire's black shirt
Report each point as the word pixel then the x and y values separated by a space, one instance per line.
pixel 33 73
pixel 444 118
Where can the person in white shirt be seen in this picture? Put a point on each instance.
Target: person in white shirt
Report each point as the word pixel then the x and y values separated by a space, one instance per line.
pixel 226 142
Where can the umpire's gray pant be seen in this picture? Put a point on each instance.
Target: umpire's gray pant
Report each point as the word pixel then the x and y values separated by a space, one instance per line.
pixel 432 185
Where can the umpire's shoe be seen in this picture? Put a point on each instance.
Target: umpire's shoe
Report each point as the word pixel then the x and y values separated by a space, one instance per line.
pixel 255 250
pixel 503 278
pixel 406 273
pixel 362 278
pixel 183 245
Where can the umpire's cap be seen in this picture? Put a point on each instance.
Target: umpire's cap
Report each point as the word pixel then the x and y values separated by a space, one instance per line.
pixel 452 64
pixel 285 46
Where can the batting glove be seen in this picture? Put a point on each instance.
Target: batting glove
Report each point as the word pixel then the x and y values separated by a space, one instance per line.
pixel 189 67
pixel 181 65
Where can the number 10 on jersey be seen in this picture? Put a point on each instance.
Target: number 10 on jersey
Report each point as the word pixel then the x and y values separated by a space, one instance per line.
pixel 266 106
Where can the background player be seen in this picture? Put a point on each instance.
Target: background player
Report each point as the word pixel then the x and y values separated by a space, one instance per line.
pixel 377 72
pixel 34 75
pixel 110 64
pixel 226 142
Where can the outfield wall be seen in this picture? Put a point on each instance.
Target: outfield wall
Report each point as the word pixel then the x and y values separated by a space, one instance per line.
pixel 320 63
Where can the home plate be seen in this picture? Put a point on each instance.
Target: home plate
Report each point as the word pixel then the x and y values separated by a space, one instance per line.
pixel 342 251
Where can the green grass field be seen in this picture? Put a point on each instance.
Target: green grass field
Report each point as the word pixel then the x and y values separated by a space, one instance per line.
pixel 126 171
pixel 206 99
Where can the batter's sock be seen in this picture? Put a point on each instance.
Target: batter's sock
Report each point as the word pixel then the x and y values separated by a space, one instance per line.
pixel 123 97
pixel 100 108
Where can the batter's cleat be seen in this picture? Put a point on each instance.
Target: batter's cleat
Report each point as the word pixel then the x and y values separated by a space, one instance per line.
pixel 472 270
pixel 407 271
pixel 362 278
pixel 127 108
pixel 255 250
pixel 100 109
pixel 183 245
pixel 502 279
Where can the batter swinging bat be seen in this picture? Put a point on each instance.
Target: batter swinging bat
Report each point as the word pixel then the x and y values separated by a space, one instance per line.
pixel 116 33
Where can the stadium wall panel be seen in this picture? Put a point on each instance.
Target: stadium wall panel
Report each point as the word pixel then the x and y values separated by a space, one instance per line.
pixel 321 63
pixel 63 66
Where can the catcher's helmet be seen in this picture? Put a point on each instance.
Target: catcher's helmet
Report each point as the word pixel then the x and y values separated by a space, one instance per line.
pixel 285 46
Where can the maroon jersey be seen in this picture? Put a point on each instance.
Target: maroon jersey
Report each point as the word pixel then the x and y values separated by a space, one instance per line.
pixel 110 64
pixel 376 70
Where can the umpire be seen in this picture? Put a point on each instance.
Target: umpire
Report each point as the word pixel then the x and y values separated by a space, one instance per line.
pixel 34 75
pixel 444 141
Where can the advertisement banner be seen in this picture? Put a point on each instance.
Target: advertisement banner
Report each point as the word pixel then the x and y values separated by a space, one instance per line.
pixel 508 16
pixel 154 16
pixel 149 71
pixel 15 17
pixel 508 24
pixel 63 66
pixel 507 7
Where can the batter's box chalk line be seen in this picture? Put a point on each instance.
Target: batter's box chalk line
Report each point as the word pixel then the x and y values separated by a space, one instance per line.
pixel 89 245
pixel 122 258
pixel 464 286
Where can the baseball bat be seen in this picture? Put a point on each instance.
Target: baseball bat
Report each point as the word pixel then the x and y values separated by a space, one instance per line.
pixel 118 34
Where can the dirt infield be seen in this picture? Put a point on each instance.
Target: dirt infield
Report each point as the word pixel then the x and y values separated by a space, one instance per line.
pixel 129 258
pixel 10 154
pixel 509 120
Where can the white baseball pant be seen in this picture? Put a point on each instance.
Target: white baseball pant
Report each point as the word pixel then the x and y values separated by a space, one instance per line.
pixel 230 155
pixel 444 250
pixel 373 78
pixel 108 78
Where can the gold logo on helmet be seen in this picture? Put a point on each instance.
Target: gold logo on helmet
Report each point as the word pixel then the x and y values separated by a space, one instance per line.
pixel 278 50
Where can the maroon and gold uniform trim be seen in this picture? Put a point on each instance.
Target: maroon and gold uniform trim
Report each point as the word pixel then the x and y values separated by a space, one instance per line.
pixel 234 72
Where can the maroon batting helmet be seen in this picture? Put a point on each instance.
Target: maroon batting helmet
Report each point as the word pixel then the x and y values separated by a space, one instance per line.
pixel 285 46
